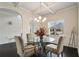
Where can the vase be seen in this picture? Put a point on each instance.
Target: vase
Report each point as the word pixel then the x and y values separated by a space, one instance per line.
pixel 41 41
pixel 42 46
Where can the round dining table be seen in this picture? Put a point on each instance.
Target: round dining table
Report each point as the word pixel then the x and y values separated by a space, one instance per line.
pixel 41 48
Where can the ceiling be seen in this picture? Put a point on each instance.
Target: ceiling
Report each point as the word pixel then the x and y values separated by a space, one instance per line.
pixel 45 8
pixel 37 8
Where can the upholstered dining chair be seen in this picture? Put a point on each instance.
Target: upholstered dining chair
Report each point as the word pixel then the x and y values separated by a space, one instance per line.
pixel 53 48
pixel 24 51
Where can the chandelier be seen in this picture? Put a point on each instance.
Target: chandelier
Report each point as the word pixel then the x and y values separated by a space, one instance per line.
pixel 40 18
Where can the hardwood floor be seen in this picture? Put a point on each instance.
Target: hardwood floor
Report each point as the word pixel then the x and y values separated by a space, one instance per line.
pixel 9 50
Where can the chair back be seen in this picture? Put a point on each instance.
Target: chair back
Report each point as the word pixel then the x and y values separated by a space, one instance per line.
pixel 19 45
pixel 29 37
pixel 59 43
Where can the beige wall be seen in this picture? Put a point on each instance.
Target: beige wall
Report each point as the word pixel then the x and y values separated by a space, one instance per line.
pixel 78 27
pixel 69 15
pixel 25 18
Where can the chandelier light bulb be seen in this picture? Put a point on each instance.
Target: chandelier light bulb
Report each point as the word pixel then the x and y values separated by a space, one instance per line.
pixel 44 19
pixel 35 19
pixel 40 17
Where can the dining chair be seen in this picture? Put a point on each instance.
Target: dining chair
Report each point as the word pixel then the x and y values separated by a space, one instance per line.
pixel 53 48
pixel 32 39
pixel 22 50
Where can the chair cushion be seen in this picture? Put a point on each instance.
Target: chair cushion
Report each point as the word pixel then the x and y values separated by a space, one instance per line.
pixel 29 50
pixel 29 46
pixel 52 48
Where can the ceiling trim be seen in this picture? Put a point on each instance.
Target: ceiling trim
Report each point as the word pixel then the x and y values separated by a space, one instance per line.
pixel 44 5
pixel 63 10
pixel 36 11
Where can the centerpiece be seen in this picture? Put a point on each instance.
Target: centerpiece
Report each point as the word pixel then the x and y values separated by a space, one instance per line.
pixel 41 32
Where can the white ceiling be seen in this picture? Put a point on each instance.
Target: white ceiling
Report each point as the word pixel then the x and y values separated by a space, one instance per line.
pixel 34 7
pixel 46 7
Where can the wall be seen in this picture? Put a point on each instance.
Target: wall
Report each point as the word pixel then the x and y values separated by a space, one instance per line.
pixel 7 31
pixel 69 15
pixel 78 27
pixel 25 18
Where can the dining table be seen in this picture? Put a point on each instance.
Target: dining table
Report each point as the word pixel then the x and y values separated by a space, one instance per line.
pixel 41 48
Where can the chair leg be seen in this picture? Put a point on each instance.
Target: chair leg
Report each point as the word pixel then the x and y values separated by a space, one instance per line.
pixel 46 52
pixel 57 55
pixel 50 54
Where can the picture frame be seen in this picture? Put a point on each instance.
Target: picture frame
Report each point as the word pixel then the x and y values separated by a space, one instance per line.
pixel 56 27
